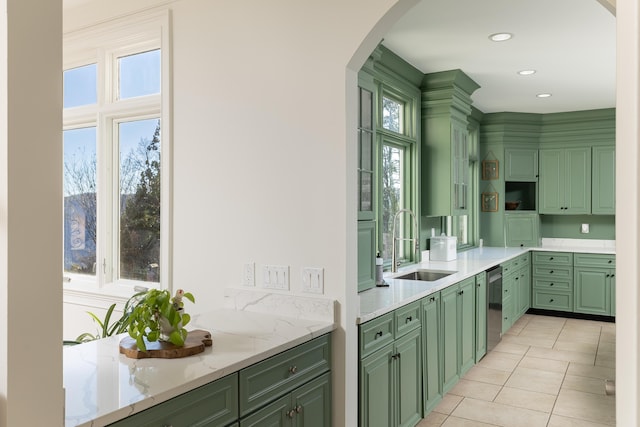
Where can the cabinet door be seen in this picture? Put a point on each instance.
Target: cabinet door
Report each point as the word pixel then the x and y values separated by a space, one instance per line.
pixel 213 404
pixel 467 328
pixel 521 164
pixel 460 165
pixel 376 388
pixel 366 255
pixel 481 316
pixel 522 230
pixel 592 291
pixel 408 396
pixel 603 181
pixel 366 137
pixel 612 283
pixel 449 327
pixel 578 181
pixel 524 294
pixel 432 387
pixel 552 186
pixel 275 414
pixel 312 403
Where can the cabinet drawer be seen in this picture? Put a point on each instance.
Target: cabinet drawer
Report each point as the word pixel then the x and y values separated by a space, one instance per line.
pixel 521 262
pixel 508 266
pixel 594 260
pixel 407 318
pixel 553 271
pixel 559 258
pixel 213 404
pixel 550 285
pixel 265 381
pixel 375 334
pixel 553 301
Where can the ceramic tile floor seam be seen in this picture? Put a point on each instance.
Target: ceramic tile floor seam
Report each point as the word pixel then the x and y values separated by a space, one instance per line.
pixel 555 401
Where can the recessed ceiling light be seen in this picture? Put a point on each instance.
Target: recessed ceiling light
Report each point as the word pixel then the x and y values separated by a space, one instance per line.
pixel 526 72
pixel 543 95
pixel 500 37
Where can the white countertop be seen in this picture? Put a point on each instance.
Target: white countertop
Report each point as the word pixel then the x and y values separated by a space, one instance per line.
pixel 103 386
pixel 381 300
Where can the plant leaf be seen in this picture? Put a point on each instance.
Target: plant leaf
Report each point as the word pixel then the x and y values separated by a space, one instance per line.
pixel 140 343
pixel 176 338
pixel 185 319
pixel 189 296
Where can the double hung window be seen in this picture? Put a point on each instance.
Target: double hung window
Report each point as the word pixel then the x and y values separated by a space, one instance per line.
pixel 115 155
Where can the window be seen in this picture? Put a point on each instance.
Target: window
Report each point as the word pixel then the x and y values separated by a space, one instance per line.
pixel 114 162
pixel 397 156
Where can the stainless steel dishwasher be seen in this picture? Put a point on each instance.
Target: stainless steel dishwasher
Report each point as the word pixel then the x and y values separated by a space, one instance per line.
pixel 494 307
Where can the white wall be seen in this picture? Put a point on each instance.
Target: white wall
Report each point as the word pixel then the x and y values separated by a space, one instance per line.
pixel 262 171
pixel 30 213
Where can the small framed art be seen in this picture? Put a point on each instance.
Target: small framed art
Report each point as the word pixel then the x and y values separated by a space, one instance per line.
pixel 490 169
pixel 489 202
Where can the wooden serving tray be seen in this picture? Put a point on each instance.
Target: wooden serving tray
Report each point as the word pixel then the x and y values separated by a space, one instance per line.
pixel 195 343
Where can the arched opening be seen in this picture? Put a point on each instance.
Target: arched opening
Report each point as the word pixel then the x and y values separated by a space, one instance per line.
pixel 627 217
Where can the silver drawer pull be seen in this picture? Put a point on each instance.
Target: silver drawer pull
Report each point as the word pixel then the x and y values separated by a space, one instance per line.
pixel 293 369
pixel 291 413
pixel 298 409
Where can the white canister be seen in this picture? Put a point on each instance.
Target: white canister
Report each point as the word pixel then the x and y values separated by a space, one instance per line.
pixel 443 248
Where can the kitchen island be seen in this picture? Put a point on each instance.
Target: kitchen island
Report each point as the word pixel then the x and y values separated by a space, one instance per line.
pixel 103 386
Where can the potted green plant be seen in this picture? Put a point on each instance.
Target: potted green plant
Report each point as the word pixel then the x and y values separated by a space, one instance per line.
pixel 159 316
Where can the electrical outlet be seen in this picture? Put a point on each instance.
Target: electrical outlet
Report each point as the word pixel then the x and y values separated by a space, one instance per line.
pixel 313 280
pixel 584 228
pixel 249 274
pixel 275 277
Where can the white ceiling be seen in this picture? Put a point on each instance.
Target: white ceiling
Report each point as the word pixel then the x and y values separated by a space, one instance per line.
pixel 571 44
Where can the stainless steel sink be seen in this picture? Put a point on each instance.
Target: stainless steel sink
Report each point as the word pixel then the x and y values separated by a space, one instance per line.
pixel 425 275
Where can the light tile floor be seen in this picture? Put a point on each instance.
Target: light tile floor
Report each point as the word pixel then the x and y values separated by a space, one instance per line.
pixel 546 372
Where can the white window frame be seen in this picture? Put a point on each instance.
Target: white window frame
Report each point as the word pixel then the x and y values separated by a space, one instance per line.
pixel 103 44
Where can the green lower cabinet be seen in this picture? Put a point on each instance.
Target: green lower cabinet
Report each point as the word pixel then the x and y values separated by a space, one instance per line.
pixel 308 405
pixel 409 379
pixel 391 384
pixel 613 295
pixel 592 292
pixel 458 326
pixel 523 295
pixel 431 339
pixel 508 291
pixel 481 316
pixel 214 404
pixel 450 337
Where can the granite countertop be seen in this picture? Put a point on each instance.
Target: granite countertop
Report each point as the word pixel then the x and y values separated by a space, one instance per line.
pixel 381 300
pixel 103 386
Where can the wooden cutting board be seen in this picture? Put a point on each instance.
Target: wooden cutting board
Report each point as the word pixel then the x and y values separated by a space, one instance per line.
pixel 195 343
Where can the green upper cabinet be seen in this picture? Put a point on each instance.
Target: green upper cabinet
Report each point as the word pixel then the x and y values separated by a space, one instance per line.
pixel 366 255
pixel 446 105
pixel 366 138
pixel 521 164
pixel 603 183
pixel 522 229
pixel 565 181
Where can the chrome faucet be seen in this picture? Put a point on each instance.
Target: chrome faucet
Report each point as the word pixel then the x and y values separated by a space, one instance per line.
pixel 394 239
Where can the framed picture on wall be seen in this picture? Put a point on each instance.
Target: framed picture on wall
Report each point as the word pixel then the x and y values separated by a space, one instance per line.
pixel 489 202
pixel 490 169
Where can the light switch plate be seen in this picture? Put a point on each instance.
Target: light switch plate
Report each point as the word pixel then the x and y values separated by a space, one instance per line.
pixel 584 228
pixel 275 277
pixel 313 280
